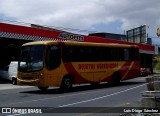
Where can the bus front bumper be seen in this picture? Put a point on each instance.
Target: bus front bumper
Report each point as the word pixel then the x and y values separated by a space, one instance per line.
pixel 34 82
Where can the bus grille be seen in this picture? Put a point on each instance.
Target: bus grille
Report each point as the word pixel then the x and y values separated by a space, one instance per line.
pixel 27 83
pixel 27 78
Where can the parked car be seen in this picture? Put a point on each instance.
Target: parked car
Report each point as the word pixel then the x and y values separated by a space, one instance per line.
pixel 145 71
pixel 10 72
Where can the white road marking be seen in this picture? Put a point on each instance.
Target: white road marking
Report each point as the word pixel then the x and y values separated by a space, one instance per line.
pixel 102 96
pixel 97 98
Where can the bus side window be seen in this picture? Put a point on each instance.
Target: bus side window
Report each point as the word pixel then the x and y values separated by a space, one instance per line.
pixel 134 54
pixel 53 57
pixel 126 54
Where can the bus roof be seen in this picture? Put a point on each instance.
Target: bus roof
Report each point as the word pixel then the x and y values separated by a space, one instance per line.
pixel 80 44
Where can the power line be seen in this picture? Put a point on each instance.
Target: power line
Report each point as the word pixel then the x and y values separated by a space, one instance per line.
pixel 15 22
pixel 54 27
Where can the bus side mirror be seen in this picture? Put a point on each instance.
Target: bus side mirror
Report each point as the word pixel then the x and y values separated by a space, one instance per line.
pixel 23 66
pixel 13 58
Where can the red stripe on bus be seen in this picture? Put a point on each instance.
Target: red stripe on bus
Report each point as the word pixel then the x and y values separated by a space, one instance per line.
pixel 79 79
pixel 133 72
pixel 122 71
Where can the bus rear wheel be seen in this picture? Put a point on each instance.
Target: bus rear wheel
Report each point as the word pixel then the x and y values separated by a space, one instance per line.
pixel 116 78
pixel 66 83
pixel 42 88
pixel 95 83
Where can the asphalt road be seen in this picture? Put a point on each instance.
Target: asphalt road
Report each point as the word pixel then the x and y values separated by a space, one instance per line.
pixel 86 98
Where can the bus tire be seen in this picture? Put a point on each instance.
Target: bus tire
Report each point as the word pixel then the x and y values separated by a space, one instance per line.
pixel 42 88
pixel 14 81
pixel 67 83
pixel 95 83
pixel 116 78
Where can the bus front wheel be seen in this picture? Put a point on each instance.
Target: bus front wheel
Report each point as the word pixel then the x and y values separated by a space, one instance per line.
pixel 66 83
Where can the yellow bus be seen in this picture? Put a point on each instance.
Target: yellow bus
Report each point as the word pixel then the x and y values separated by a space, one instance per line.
pixel 52 63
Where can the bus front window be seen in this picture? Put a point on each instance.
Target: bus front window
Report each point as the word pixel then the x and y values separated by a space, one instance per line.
pixel 31 58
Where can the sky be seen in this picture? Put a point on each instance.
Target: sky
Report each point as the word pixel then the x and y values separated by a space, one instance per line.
pixel 112 16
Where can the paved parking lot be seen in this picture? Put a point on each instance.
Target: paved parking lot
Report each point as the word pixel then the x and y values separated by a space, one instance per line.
pixel 4 84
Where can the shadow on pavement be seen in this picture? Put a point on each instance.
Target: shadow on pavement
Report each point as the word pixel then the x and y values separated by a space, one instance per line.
pixel 4 81
pixel 81 88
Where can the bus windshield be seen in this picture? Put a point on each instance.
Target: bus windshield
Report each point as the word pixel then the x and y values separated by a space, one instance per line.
pixel 31 58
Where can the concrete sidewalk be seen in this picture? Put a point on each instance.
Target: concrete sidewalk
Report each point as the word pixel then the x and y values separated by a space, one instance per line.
pixel 4 85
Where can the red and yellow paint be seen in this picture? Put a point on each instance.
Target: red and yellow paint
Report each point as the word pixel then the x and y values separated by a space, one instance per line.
pixel 84 72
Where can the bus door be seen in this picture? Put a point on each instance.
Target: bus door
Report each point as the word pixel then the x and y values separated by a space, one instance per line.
pixel 53 62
